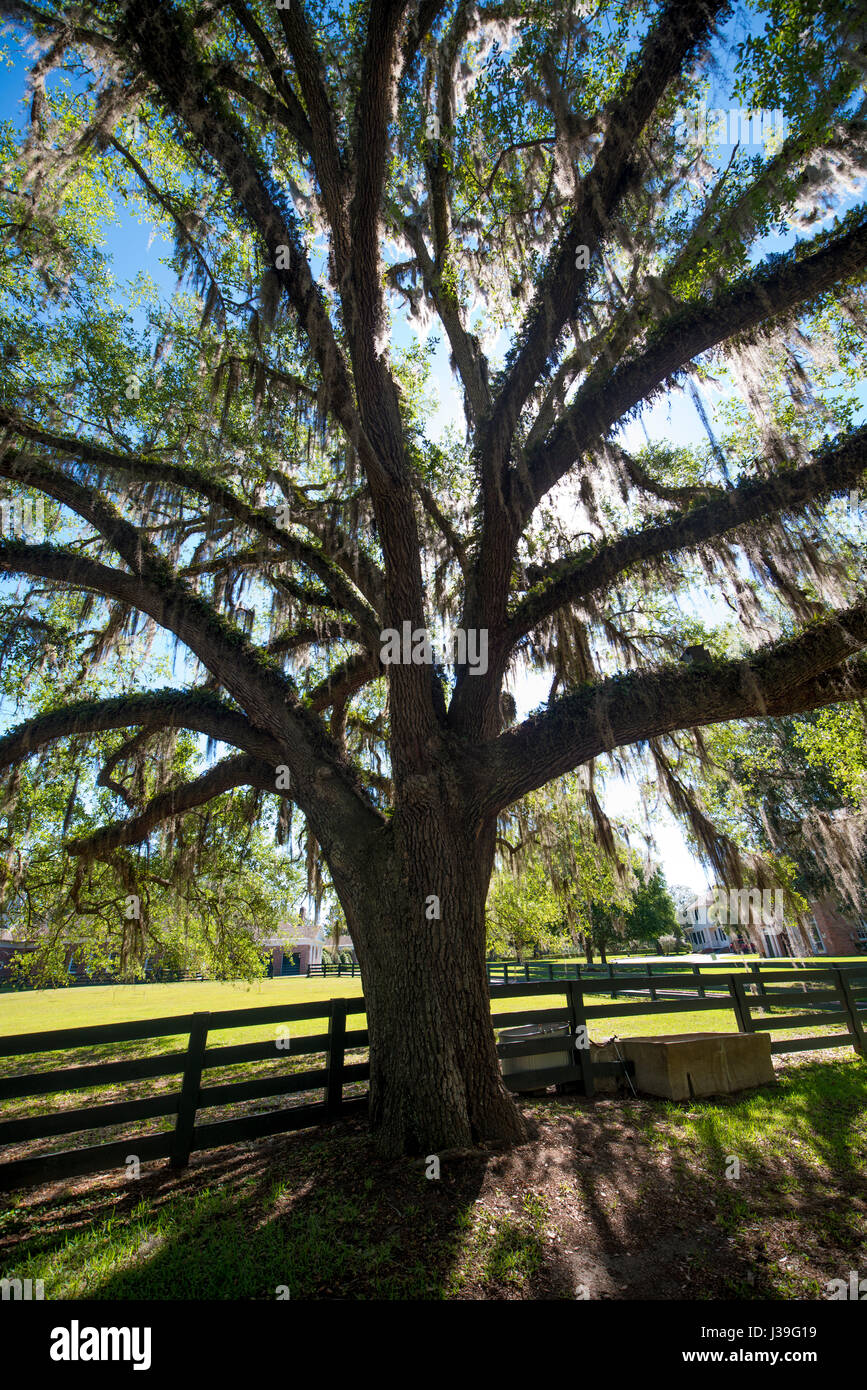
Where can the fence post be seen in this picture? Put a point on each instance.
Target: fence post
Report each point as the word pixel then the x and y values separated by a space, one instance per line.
pixel 850 1006
pixel 505 972
pixel 578 1019
pixel 756 972
pixel 334 1070
pixel 182 1140
pixel 611 977
pixel 653 994
pixel 702 993
pixel 550 970
pixel 526 972
pixel 740 1004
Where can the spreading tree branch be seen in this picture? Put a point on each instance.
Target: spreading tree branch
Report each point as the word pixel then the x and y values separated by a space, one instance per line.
pixel 787 677
pixel 576 577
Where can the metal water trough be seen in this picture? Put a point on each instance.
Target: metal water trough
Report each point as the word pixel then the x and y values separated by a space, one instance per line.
pixel 534 1061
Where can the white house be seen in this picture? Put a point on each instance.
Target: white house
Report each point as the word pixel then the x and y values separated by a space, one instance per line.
pixel 306 944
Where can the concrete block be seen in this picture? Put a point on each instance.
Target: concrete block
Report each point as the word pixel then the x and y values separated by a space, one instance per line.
pixel 683 1065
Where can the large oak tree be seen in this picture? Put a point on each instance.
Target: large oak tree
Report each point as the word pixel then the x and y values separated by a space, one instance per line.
pixel 267 494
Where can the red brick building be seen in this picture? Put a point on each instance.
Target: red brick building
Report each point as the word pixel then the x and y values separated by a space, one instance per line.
pixel 841 935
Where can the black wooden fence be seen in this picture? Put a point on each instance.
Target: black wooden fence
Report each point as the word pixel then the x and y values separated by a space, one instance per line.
pixel 834 996
pixel 192 1065
pixel 779 1000
pixel 511 971
pixel 325 968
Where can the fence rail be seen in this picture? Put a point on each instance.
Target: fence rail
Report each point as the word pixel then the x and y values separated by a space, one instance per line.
pixel 351 971
pixel 506 972
pixel 771 1000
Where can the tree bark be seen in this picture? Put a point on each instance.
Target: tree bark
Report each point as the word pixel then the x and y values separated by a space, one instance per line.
pixel 435 1079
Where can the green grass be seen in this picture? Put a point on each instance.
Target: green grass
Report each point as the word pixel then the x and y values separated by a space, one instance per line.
pixel 49 1010
pixel 80 1006
pixel 321 1215
pixel 55 1009
pixel 35 1011
pixel 331 1220
pixel 230 1239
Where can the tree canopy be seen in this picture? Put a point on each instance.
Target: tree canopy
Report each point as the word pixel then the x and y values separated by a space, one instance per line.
pixel 242 466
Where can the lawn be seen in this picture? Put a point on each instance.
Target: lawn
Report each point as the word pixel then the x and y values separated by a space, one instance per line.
pixel 617 1198
pixel 82 1006
pixel 51 1010
pixel 47 1010
pixel 625 1199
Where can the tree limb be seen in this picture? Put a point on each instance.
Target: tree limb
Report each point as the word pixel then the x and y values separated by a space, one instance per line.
pixel 773 290
pixel 578 576
pixel 226 775
pixel 157 709
pixel 787 677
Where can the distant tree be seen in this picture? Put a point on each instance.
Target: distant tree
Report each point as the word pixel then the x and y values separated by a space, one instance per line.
pixel 523 913
pixel 652 913
pixel 336 927
pixel 570 866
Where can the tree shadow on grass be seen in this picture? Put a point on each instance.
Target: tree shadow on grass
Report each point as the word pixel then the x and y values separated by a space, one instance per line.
pixel 660 1210
pixel 614 1198
pixel 316 1214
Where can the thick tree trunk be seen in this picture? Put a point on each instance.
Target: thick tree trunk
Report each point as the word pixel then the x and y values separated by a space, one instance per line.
pixel 435 1079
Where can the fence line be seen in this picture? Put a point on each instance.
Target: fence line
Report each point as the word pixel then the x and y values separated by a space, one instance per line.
pixel 506 972
pixel 835 996
pixel 503 972
pixel 351 971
